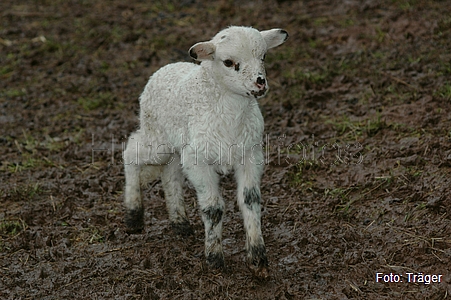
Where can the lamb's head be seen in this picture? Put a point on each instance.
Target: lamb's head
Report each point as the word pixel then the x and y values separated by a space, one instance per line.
pixel 235 58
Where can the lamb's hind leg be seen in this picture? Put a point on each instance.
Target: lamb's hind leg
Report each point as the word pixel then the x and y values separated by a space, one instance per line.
pixel 140 167
pixel 132 198
pixel 249 201
pixel 172 180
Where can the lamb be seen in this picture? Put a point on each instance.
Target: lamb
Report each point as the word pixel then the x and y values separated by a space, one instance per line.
pixel 199 121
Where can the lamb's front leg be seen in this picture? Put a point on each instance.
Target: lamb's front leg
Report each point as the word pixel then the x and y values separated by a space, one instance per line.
pixel 249 200
pixel 206 182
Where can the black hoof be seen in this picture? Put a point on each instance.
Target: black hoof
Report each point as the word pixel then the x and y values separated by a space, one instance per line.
pixel 134 219
pixel 215 260
pixel 183 228
pixel 258 262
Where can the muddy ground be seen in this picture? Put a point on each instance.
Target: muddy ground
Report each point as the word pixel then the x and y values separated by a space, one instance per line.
pixel 358 140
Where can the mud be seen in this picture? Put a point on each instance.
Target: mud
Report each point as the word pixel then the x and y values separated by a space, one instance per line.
pixel 357 143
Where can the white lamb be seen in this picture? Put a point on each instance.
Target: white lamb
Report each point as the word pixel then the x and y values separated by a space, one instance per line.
pixel 200 120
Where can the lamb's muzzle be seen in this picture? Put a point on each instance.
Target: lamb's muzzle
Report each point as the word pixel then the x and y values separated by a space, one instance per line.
pixel 261 83
pixel 200 120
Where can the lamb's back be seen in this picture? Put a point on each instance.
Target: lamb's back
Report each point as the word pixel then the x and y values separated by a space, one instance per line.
pixel 172 95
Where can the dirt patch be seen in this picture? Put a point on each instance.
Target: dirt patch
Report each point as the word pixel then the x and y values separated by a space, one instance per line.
pixel 357 135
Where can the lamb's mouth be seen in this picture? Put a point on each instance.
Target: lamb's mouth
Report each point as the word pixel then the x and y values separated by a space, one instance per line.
pixel 258 93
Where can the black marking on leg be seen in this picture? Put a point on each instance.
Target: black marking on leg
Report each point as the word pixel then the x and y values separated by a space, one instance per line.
pixel 215 260
pixel 182 228
pixel 214 214
pixel 251 197
pixel 134 219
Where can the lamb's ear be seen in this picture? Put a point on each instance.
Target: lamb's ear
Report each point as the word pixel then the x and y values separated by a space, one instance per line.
pixel 202 51
pixel 274 37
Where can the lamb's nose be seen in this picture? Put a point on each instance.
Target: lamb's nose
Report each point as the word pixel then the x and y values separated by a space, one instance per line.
pixel 261 83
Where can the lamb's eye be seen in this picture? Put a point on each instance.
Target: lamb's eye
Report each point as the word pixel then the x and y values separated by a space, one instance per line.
pixel 264 56
pixel 228 63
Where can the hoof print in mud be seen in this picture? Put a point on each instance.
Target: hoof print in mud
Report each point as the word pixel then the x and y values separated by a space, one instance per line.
pixel 183 229
pixel 259 272
pixel 134 220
